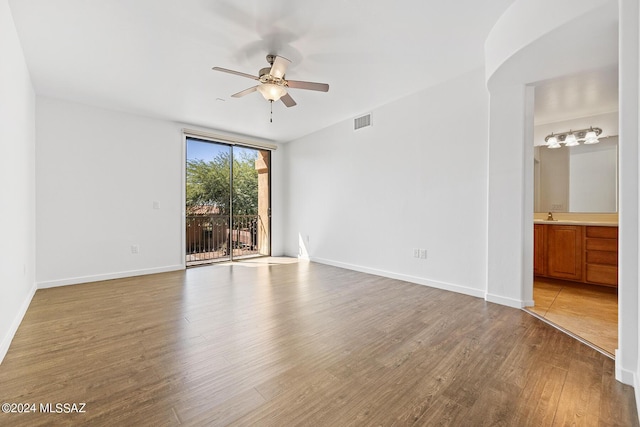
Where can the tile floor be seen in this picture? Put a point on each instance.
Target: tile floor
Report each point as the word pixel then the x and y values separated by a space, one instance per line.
pixel 588 311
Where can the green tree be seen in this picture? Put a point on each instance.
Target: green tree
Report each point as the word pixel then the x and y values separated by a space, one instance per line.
pixel 245 182
pixel 208 183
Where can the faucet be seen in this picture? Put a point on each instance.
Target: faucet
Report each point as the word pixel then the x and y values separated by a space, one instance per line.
pixel 550 217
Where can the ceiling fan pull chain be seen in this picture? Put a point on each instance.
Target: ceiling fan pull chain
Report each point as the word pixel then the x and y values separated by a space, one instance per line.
pixel 271 118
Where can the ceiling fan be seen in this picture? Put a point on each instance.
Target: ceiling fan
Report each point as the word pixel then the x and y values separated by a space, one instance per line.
pixel 273 85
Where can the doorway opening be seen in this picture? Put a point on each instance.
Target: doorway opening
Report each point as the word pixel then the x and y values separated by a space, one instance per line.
pixel 227 202
pixel 575 232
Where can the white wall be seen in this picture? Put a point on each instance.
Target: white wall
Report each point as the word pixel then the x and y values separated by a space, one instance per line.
pixel 528 64
pixel 627 356
pixel 17 182
pixel 415 179
pixel 99 173
pixel 520 25
pixel 518 51
pixel 510 211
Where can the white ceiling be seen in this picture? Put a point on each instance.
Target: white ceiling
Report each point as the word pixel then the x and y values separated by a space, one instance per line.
pixel 154 57
pixel 586 94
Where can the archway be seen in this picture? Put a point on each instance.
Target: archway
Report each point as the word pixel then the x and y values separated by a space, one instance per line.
pixel 529 44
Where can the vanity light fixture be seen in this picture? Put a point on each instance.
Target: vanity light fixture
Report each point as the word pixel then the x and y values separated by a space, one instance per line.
pixel 573 138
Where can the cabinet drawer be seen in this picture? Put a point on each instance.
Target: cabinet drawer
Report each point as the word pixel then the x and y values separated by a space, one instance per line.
pixel 602 245
pixel 604 232
pixel 602 257
pixel 602 274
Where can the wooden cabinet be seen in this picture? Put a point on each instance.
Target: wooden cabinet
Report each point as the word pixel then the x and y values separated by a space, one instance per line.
pixel 601 252
pixel 586 254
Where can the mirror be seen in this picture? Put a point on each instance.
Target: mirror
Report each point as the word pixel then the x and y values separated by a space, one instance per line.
pixel 577 179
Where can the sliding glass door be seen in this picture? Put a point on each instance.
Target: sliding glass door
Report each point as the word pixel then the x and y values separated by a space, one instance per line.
pixel 227 202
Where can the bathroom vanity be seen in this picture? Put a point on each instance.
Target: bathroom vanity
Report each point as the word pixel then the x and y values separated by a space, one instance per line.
pixel 579 251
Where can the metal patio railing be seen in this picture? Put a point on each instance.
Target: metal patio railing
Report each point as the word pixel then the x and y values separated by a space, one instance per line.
pixel 211 237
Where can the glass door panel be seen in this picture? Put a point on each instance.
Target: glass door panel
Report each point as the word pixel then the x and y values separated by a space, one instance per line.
pixel 250 235
pixel 227 202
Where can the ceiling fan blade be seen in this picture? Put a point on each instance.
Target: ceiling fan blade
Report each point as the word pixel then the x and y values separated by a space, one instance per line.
pixel 244 92
pixel 237 73
pixel 296 84
pixel 288 100
pixel 279 67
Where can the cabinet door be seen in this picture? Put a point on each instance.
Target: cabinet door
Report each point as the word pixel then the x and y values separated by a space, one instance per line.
pixel 564 251
pixel 539 248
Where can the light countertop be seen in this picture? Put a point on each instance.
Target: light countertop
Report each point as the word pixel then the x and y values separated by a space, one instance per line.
pixel 576 222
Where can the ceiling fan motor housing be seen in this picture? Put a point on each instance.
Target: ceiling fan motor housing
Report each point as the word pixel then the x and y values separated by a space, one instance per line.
pixel 266 77
pixel 264 72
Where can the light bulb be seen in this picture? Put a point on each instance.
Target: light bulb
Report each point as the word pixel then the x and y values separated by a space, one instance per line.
pixel 571 140
pixel 556 145
pixel 591 137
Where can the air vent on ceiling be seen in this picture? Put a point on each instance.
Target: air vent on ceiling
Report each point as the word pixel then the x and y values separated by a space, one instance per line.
pixel 362 122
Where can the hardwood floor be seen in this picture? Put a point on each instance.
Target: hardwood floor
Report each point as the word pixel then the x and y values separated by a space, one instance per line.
pixel 588 311
pixel 298 344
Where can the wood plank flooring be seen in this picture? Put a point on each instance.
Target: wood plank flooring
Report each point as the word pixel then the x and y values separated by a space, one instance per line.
pixel 588 311
pixel 287 344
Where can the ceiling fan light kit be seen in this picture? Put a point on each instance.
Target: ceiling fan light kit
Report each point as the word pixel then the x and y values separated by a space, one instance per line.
pixel 272 83
pixel 272 92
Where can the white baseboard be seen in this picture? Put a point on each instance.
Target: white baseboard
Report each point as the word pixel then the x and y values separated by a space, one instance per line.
pixel 509 302
pixel 625 376
pixel 6 340
pixel 630 378
pixel 109 276
pixel 479 293
pixel 636 393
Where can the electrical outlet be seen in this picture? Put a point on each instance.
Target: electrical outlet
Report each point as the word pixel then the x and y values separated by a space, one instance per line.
pixel 423 253
pixel 135 249
pixel 416 253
